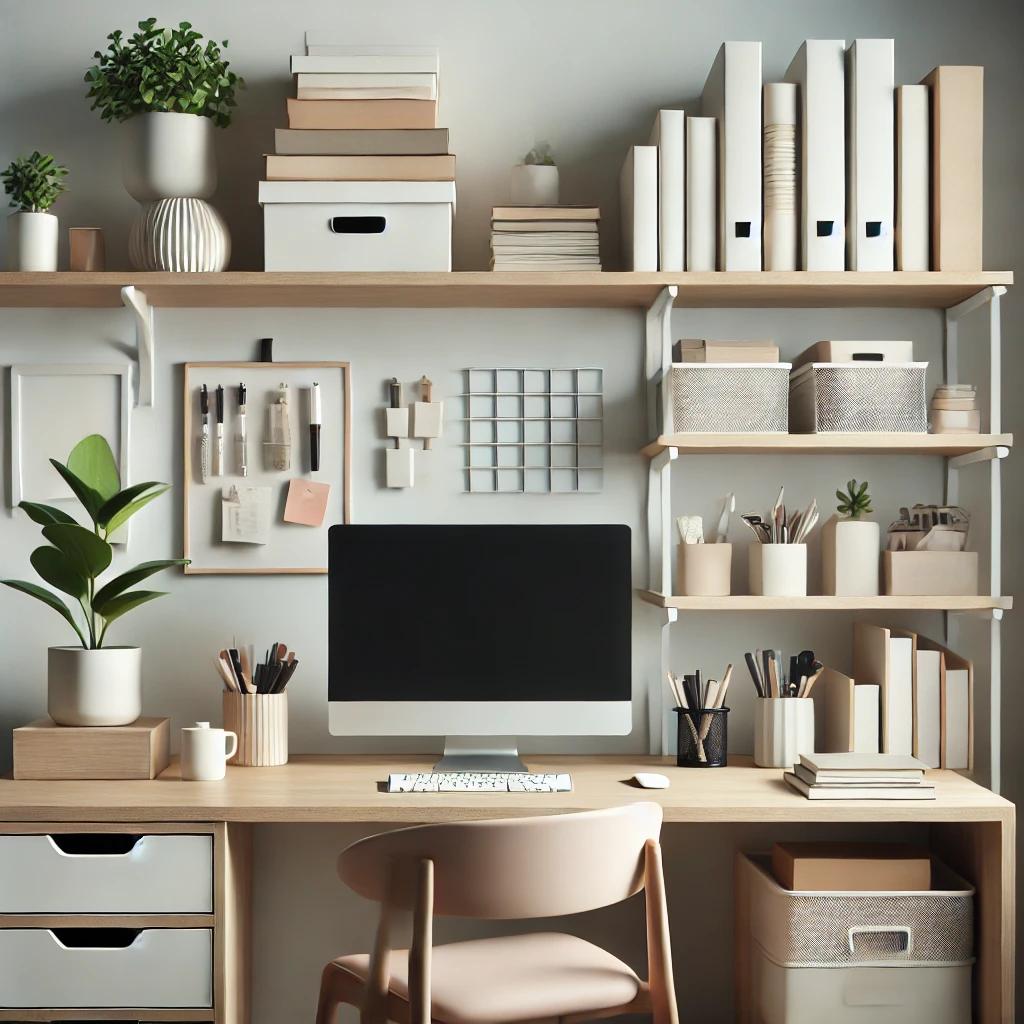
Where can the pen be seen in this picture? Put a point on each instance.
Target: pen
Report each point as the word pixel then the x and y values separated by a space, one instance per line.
pixel 240 440
pixel 204 440
pixel 218 454
pixel 315 421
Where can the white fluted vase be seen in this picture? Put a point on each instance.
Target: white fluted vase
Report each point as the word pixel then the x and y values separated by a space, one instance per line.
pixel 181 234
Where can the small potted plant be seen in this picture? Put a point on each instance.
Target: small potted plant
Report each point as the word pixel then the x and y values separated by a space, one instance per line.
pixel 33 183
pixel 171 88
pixel 535 180
pixel 93 683
pixel 850 547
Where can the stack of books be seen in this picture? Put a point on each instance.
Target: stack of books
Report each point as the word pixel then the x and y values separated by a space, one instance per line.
pixel 545 238
pixel 860 777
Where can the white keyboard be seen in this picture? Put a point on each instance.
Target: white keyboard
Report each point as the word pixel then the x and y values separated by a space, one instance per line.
pixel 478 782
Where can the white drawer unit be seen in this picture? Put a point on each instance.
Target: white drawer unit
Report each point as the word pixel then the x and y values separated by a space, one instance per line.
pixel 158 968
pixel 106 873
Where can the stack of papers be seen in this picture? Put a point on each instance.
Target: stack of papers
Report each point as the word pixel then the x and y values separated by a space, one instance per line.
pixel 860 777
pixel 545 238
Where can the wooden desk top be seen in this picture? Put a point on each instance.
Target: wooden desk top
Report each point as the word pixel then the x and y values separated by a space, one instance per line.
pixel 322 788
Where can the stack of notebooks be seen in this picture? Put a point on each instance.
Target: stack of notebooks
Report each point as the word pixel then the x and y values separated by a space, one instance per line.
pixel 860 777
pixel 545 238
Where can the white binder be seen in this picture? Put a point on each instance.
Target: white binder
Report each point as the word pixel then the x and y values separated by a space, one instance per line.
pixel 639 198
pixel 701 194
pixel 732 93
pixel 912 177
pixel 818 70
pixel 871 200
pixel 669 135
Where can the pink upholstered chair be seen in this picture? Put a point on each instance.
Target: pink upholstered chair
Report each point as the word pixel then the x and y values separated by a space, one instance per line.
pixel 505 870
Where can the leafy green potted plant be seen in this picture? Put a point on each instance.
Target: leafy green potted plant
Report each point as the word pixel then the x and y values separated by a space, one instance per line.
pixel 93 683
pixel 171 87
pixel 850 545
pixel 34 183
pixel 535 181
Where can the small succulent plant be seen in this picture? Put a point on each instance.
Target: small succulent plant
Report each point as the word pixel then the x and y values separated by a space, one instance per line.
pixel 540 155
pixel 855 503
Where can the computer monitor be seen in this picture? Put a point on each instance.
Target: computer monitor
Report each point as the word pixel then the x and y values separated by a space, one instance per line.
pixel 480 634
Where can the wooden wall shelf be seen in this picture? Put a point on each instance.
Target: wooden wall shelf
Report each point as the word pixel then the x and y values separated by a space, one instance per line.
pixel 819 603
pixel 486 290
pixel 827 444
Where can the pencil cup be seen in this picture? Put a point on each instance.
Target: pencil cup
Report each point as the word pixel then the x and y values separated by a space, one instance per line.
pixel 704 570
pixel 703 738
pixel 778 570
pixel 783 730
pixel 260 720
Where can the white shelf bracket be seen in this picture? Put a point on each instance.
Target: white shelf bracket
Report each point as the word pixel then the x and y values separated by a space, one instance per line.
pixel 145 341
pixel 659 522
pixel 658 354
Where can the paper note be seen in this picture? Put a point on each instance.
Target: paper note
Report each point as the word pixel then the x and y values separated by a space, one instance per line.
pixel 245 515
pixel 307 502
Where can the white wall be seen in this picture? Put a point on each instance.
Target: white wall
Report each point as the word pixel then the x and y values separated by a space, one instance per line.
pixel 587 75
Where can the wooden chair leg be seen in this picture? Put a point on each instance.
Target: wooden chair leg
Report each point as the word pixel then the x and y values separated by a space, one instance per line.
pixel 337 988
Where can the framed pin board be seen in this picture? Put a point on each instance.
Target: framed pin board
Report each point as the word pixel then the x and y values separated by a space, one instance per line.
pixel 274 517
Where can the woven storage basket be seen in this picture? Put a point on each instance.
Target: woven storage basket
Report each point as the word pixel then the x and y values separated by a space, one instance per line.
pixel 729 398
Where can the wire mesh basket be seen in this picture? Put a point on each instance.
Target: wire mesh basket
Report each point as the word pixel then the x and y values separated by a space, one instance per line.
pixel 734 398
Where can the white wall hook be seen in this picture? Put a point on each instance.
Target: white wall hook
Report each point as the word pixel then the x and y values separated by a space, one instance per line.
pixel 145 341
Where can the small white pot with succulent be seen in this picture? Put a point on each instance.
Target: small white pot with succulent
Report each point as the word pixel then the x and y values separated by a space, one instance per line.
pixel 92 683
pixel 34 184
pixel 534 182
pixel 850 546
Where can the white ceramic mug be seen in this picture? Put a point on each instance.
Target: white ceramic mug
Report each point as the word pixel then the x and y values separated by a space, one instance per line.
pixel 204 752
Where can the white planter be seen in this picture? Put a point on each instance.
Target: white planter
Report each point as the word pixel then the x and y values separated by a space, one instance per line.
pixel 168 156
pixel 850 556
pixel 534 185
pixel 783 730
pixel 180 235
pixel 778 570
pixel 32 241
pixel 101 687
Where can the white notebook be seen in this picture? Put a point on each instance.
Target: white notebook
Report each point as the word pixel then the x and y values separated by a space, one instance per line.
pixel 701 193
pixel 669 135
pixel 927 701
pixel 912 177
pixel 639 199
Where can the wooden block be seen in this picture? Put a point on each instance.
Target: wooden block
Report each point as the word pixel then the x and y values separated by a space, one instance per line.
pixel 45 750
pixel 918 573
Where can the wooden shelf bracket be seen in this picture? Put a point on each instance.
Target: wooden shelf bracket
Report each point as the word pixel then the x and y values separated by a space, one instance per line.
pixel 145 341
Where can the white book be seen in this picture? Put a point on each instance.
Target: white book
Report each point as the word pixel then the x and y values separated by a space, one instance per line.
pixel 848 762
pixel 927 703
pixel 899 699
pixel 366 63
pixel 816 792
pixel 871 199
pixel 366 87
pixel 866 718
pixel 956 717
pixel 701 193
pixel 322 44
pixel 669 135
pixel 732 93
pixel 818 69
pixel 639 198
pixel 357 192
pixel 912 177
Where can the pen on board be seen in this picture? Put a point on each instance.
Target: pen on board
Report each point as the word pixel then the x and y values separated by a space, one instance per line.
pixel 315 423
pixel 204 438
pixel 218 454
pixel 242 440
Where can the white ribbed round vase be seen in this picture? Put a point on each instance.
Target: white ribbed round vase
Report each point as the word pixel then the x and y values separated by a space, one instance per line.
pixel 181 235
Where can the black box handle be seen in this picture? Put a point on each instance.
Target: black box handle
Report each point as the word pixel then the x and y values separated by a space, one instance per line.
pixel 357 225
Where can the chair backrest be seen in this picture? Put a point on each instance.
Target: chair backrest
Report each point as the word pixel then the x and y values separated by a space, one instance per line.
pixel 510 868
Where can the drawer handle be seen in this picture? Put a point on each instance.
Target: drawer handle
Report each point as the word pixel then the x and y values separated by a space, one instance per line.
pixel 95 844
pixel 357 225
pixel 96 938
pixel 880 941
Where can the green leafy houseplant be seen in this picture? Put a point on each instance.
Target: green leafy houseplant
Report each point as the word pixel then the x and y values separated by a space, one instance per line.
pixel 34 182
pixel 855 503
pixel 75 557
pixel 165 70
pixel 540 156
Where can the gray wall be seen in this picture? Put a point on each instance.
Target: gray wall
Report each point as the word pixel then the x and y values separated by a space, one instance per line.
pixel 587 76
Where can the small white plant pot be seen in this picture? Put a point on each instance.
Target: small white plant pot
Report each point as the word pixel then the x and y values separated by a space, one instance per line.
pixel 32 241
pixel 778 570
pixel 534 185
pixel 850 557
pixel 168 156
pixel 100 687
pixel 783 730
pixel 704 570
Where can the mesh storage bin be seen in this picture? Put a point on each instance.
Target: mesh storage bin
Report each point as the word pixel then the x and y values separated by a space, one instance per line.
pixel 729 398
pixel 856 397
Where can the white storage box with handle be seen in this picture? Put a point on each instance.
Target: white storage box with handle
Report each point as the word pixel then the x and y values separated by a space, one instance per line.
pixel 357 225
pixel 859 957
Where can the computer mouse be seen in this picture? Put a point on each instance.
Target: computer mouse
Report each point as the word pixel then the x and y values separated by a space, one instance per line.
pixel 651 780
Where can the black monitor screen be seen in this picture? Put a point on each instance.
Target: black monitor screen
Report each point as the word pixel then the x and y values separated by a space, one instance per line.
pixel 479 613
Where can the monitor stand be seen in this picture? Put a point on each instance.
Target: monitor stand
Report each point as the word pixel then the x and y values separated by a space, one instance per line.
pixel 480 754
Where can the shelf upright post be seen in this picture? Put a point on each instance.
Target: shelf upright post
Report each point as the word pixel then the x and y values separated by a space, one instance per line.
pixel 145 341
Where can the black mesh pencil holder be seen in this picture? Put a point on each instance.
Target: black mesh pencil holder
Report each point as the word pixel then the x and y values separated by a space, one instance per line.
pixel 703 738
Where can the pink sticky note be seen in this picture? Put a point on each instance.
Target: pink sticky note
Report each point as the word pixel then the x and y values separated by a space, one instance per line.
pixel 307 502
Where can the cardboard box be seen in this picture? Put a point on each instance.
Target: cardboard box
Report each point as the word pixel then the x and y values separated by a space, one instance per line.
pixel 851 867
pixel 45 750
pixel 923 573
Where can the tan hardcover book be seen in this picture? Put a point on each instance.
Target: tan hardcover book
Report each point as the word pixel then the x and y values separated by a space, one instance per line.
pixel 362 113
pixel 545 213
pixel 360 168
pixel 361 141
pixel 957 106
pixel 44 750
pixel 851 867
